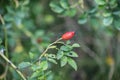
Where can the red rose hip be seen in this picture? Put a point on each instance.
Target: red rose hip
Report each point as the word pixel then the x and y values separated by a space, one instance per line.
pixel 68 35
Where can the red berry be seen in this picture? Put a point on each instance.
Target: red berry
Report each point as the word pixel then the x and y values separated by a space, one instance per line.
pixel 39 40
pixel 68 35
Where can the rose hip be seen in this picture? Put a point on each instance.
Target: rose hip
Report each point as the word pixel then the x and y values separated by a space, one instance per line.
pixel 68 35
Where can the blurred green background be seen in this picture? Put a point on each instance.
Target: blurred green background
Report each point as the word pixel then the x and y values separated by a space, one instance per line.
pixel 30 25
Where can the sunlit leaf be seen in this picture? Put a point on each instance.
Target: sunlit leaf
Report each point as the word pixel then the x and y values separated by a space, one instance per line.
pixel 31 55
pixel 64 4
pixel 117 24
pixel 60 54
pixel 68 42
pixel 8 17
pixel 70 12
pixel 82 19
pixel 35 74
pixel 65 48
pixel 52 60
pixel 72 54
pixel 24 65
pixel 72 63
pixel 106 14
pixel 51 55
pixel 56 8
pixel 52 47
pixel 44 65
pixel 75 45
pixel 100 2
pixel 107 21
pixel 63 61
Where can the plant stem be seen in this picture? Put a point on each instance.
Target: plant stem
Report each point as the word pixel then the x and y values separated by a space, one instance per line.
pixel 48 48
pixel 2 20
pixel 6 47
pixel 6 41
pixel 14 67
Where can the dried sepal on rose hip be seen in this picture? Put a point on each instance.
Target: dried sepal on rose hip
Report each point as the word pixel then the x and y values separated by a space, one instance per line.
pixel 68 35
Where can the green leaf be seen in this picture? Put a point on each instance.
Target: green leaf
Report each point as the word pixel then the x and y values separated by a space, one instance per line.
pixel 70 12
pixel 92 11
pixel 41 77
pixel 64 4
pixel 65 48
pixel 72 63
pixel 35 67
pixel 56 8
pixel 26 2
pixel 51 55
pixel 75 45
pixel 107 21
pixel 24 65
pixel 72 54
pixel 10 10
pixel 52 47
pixel 82 19
pixel 63 61
pixel 31 55
pixel 35 74
pixel 68 42
pixel 116 12
pixel 100 2
pixel 52 60
pixel 117 24
pixel 39 33
pixel 48 73
pixel 60 54
pixel 112 1
pixel 44 65
pixel 8 17
pixel 106 14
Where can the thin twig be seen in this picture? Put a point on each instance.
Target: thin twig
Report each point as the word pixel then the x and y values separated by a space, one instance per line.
pixel 57 41
pixel 6 44
pixel 2 20
pixel 6 47
pixel 48 48
pixel 13 66
pixel 16 3
pixel 111 72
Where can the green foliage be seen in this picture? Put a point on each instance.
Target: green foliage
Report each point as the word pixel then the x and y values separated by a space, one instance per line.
pixel 52 60
pixel 29 26
pixel 24 65
pixel 75 45
pixel 72 54
pixel 0 41
pixel 107 21
pixel 31 55
pixel 56 8
pixel 82 19
pixel 100 2
pixel 107 11
pixel 72 63
pixel 63 7
pixel 63 61
pixel 64 4
pixel 102 20
pixel 60 54
pixel 44 65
